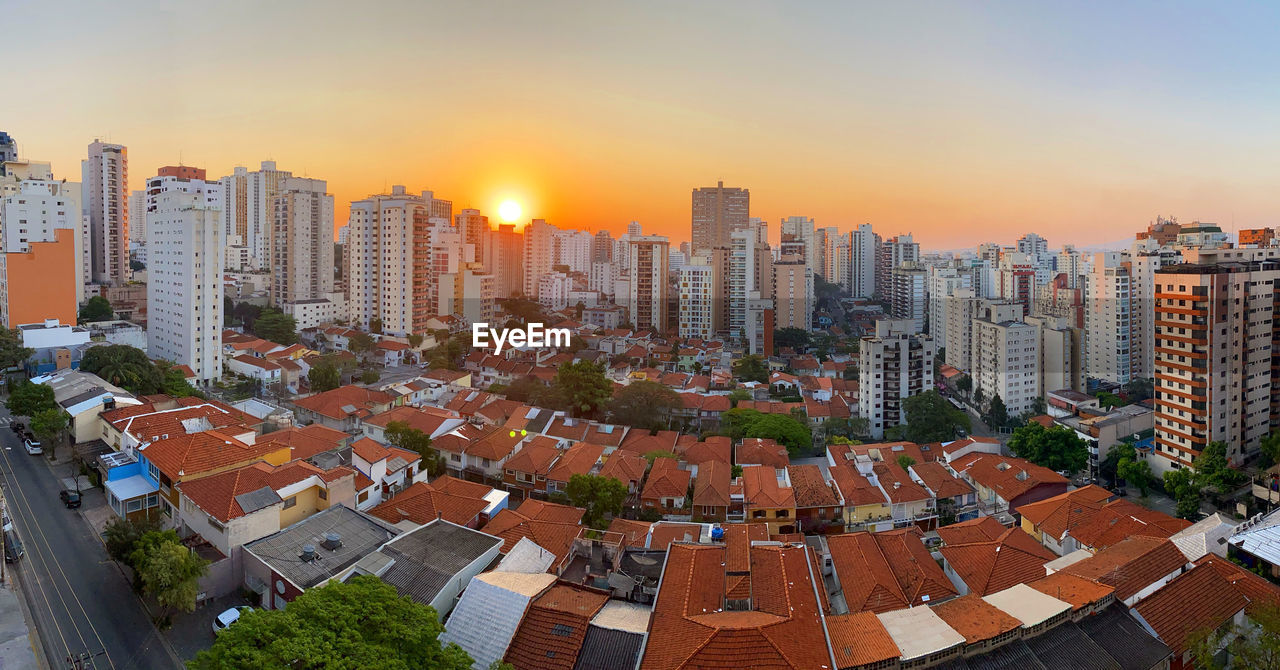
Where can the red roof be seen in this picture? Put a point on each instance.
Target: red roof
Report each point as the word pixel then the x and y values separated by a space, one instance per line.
pixel 1120 519
pixel 577 460
pixel 1063 512
pixel 625 467
pixel 534 458
pixel 809 488
pixel 372 452
pixel 306 441
pixel 636 533
pixel 1131 565
pixel 427 421
pixel 1068 588
pixel 1257 589
pixel 345 401
pixel 940 481
pixel 189 456
pixel 758 451
pixel 217 494
pixel 855 489
pixel 713 448
pixel 554 627
pixel 1009 477
pixel 975 619
pixel 860 639
pixel 666 480
pixel 994 565
pixel 422 503
pixel 548 525
pixel 880 572
pixel 761 489
pixel 1212 602
pixel 711 489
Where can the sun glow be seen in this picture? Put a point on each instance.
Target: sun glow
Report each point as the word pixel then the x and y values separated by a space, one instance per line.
pixel 509 211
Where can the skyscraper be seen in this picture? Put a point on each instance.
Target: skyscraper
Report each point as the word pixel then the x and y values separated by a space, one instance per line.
pixel 893 365
pixel 249 209
pixel 387 248
pixel 1005 356
pixel 184 288
pixel 700 301
pixel 718 212
pixel 474 227
pixel 302 242
pixel 106 199
pixel 647 301
pixel 863 248
pixel 793 293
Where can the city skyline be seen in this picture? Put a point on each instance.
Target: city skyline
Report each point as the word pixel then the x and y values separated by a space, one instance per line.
pixel 962 128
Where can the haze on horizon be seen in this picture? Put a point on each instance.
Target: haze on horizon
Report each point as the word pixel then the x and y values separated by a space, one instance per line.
pixel 960 123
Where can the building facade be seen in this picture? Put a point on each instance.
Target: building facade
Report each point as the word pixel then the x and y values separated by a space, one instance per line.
pixel 184 294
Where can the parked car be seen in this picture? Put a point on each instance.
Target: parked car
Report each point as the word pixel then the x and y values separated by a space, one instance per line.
pixel 1120 492
pixel 12 547
pixel 70 498
pixel 33 446
pixel 229 617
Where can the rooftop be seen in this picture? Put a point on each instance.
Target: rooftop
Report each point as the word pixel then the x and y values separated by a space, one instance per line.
pixel 360 536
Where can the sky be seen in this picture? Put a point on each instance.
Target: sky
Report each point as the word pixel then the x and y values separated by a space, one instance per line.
pixel 957 122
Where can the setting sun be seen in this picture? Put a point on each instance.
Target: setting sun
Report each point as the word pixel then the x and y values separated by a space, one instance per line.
pixel 509 211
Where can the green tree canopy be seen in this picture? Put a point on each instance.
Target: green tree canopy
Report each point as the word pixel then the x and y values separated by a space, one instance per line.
pixel 523 309
pixel 793 338
pixel 96 308
pixel 1056 447
pixel 580 388
pixel 931 418
pixel 1213 470
pixel 1254 645
pixel 1136 472
pixel 997 413
pixel 125 366
pixel 738 395
pixel 407 437
pixel 360 623
pixel 644 404
pixel 905 461
pixel 787 430
pixel 48 424
pixel 1181 484
pixel 323 376
pixel 751 369
pixel 600 496
pixel 173 382
pixel 275 326
pixel 360 343
pixel 28 399
pixel 12 353
pixel 1270 449
pixel 525 389
pixel 168 571
pixel 121 535
pixel 369 376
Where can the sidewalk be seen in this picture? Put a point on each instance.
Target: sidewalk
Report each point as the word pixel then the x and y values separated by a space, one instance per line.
pixel 16 649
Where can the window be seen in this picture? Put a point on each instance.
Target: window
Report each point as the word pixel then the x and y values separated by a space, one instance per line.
pixel 134 505
pixel 323 493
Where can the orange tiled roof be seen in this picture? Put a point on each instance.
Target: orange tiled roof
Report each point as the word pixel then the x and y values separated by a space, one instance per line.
pixel 758 451
pixel 886 571
pixel 1063 512
pixel 995 565
pixel 146 422
pixel 1120 519
pixel 940 481
pixel 577 460
pixel 372 452
pixel 1131 565
pixel 307 441
pixel 636 533
pixel 426 421
pixel 713 448
pixel 551 634
pixel 809 488
pixel 975 619
pixel 666 532
pixel 534 458
pixel 1214 602
pixel 898 485
pixel 497 444
pixel 1009 477
pixel 216 494
pixel 624 466
pixel 421 503
pixel 711 488
pixel 184 456
pixel 666 480
pixel 332 403
pixel 761 489
pixel 1257 589
pixel 1068 588
pixel 641 442
pixel 543 523
pixel 860 639
pixel 855 489
pixel 981 529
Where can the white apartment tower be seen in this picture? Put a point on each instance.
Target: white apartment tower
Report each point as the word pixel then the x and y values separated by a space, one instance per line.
pixel 1005 357
pixel 801 229
pixel 184 292
pixel 301 249
pixel 908 294
pixel 961 308
pixel 106 200
pixel 647 290
pixel 539 253
pixel 700 287
pixel 1110 322
pixel 893 365
pixel 943 284
pixel 249 209
pixel 862 262
pixel 387 261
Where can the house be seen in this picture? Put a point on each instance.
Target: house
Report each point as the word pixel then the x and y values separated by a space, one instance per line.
pixel 127 428
pixel 769 498
pixel 909 502
pixel 1201 599
pixel 626 467
pixel 554 628
pixel 984 626
pixel 1120 519
pixel 881 572
pixel 1086 596
pixel 310 553
pixel 433 422
pixel 1257 543
pixel 488 454
pixel 667 487
pixel 818 507
pixel 1005 483
pixel 1050 520
pixel 253 367
pixel 1136 567
pixel 342 408
pixel 644 442
pixel 859 640
pixel 390 470
pixel 999 559
pixel 582 458
pixel 490 611
pixel 761 451
pixel 711 497
pixel 391 353
pixel 1206 536
pixel 527 469
pixel 712 448
pixel 954 498
pixel 307 441
pixel 865 505
pixel 422 502
pixel 548 525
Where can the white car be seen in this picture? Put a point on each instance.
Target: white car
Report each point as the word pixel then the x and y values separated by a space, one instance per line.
pixel 33 446
pixel 229 617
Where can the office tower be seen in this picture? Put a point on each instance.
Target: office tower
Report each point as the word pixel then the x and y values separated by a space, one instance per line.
pixel 890 254
pixel 302 242
pixel 1199 235
pixel 1163 231
pixel 1256 238
pixel 138 208
pixel 863 251
pixel 8 150
pixel 648 281
pixel 718 212
pixel 387 248
pixel 893 365
pixel 474 227
pixel 793 292
pixel 539 253
pixel 602 247
pixel 700 287
pixel 960 310
pixel 1032 244
pixel 1005 356
pixel 249 209
pixel 1216 343
pixel 943 284
pixel 106 199
pixel 41 259
pixel 907 294
pixel 802 230
pixel 184 288
pixel 1071 263
pixel 506 260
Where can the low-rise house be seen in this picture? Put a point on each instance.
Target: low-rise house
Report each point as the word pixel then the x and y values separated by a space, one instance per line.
pixel 865 505
pixel 432 422
pixel 1204 537
pixel 487 456
pixel 643 442
pixel 392 353
pixel 1257 543
pixel 1118 520
pixel 490 611
pixel 550 526
pixel 343 408
pixel 818 507
pixel 390 469
pixel 1005 483
pixel 761 451
pixel 769 498
pixel 711 497
pixel 253 367
pixel 527 469
pixel 554 628
pixel 713 448
pixel 1086 596
pixel 1199 600
pixel 127 428
pixel 999 559
pixel 84 397
pixel 1136 567
pixel 666 488
pixel 954 498
pixel 909 502
pixel 582 458
pixel 453 500
pixel 308 441
pixel 859 641
pixel 1051 520
pixel 626 467
pixel 882 572
pixel 984 626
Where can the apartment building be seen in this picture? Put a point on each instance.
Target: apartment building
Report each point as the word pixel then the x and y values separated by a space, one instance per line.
pixel 960 310
pixel 863 245
pixel 1005 354
pixel 504 255
pixel 894 365
pixel 648 282
pixel 944 282
pixel 1061 354
pixel 1109 318
pixel 539 253
pixel 801 230
pixel 301 249
pixel 700 303
pixel 105 184
pixel 890 254
pixel 793 293
pixel 248 210
pixel 908 294
pixel 387 261
pixel 717 213
pixel 41 247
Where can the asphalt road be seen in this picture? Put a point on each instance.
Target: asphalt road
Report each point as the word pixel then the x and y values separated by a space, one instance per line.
pixel 81 602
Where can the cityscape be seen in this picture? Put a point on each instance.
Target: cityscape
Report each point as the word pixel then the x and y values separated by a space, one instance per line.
pixel 425 381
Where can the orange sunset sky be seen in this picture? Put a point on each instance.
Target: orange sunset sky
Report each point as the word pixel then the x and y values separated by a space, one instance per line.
pixel 959 122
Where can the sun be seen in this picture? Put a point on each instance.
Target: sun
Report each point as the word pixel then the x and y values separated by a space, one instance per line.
pixel 509 211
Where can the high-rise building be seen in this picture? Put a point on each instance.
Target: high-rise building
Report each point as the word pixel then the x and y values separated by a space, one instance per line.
pixel 960 310
pixel 8 150
pixel 106 200
pixel 1017 277
pixel 1199 235
pixel 1005 357
pixel 388 252
pixel 302 242
pixel 41 268
pixel 249 209
pixel 824 263
pixel 539 253
pixel 1216 343
pixel 943 284
pixel 743 280
pixel 718 212
pixel 1032 244
pixel 648 282
pixel 474 227
pixel 506 260
pixel 602 247
pixel 184 288
pixel 1163 231
pixel 907 295
pixel 700 303
pixel 573 249
pixel 893 365
pixel 793 293
pixel 801 229
pixel 863 253
pixel 1119 330
pixel 1072 264
pixel 553 290
pixel 138 208
pixel 890 254
pixel 1061 355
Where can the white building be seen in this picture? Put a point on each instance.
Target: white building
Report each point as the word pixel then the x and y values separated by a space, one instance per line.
pixel 33 209
pixel 1006 357
pixel 539 253
pixel 184 294
pixel 301 241
pixel 106 201
pixel 248 210
pixel 944 282
pixel 960 310
pixel 138 206
pixel 648 282
pixel 862 262
pixel 893 365
pixel 908 294
pixel 700 285
pixel 1109 319
pixel 553 290
pixel 317 311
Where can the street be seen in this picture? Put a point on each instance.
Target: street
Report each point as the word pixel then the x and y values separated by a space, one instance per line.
pixel 82 605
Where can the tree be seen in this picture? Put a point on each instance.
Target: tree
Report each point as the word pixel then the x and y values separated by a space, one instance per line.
pixel 369 376
pixel 28 399
pixel 359 343
pixel 930 418
pixel 580 388
pixel 407 437
pixel 1270 449
pixel 905 461
pixel 360 623
pixel 599 495
pixel 964 384
pixel 415 340
pixel 751 369
pixel 1136 472
pixel 785 429
pixel 275 326
pixel 1109 399
pixel 1109 468
pixel 375 326
pixel 523 309
pixel 137 266
pixel 997 413
pixel 174 382
pixel 48 424
pixel 167 570
pixel 851 428
pixel 1182 486
pixel 97 308
pixel 525 389
pixel 12 353
pixel 1138 390
pixel 738 395
pixel 1214 470
pixel 1254 645
pixel 323 376
pixel 654 455
pixel 790 338
pixel 125 366
pixel 644 404
pixel 1056 447
pixel 735 471
pixel 122 534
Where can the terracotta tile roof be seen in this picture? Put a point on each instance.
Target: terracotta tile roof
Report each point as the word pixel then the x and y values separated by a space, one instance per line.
pixel 184 456
pixel 625 467
pixel 975 619
pixel 994 565
pixel 391 345
pixel 898 485
pixel 1063 512
pixel 1009 477
pixel 1257 589
pixel 691 629
pixel 1130 565
pixel 666 480
pixel 534 458
pixel 551 634
pixel 307 441
pixel 216 494
pixel 880 572
pixel 604 433
pixel 938 479
pixel 860 639
pixel 711 488
pixel 1168 613
pixel 457 440
pixel 146 422
pixel 636 533
pixel 1068 588
pixel 854 488
pixel 333 403
pixel 547 511
pixel 757 451
pixel 713 448
pixel 460 487
pixel 567 428
pixel 887 452
pixel 426 421
pixel 373 452
pixel 666 532
pixel 809 488
pixel 761 489
pixel 547 529
pixel 497 444
pixel 421 503
pixel 578 460
pixel 641 442
pixel 1120 519
pixel 981 529
pixel 256 362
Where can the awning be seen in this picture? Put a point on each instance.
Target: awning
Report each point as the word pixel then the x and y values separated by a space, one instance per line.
pixel 131 487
